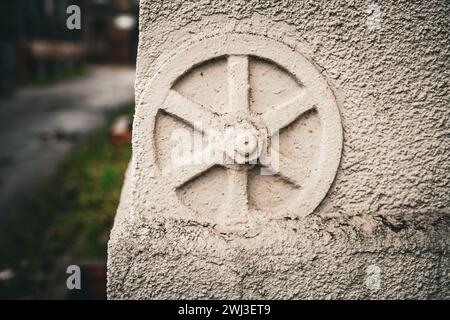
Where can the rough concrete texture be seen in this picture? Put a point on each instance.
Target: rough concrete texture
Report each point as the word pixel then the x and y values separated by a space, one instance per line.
pixel 388 207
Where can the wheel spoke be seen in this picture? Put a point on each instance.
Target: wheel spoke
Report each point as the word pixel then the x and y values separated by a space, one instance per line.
pixel 238 84
pixel 287 169
pixel 182 174
pixel 188 111
pixel 236 206
pixel 282 116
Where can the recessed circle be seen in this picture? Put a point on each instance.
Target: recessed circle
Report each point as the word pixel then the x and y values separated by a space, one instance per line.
pixel 314 93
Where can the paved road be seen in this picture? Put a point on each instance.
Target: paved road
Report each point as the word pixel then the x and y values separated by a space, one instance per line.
pixel 39 126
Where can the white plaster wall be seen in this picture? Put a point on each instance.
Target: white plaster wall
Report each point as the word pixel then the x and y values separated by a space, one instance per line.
pixel 389 204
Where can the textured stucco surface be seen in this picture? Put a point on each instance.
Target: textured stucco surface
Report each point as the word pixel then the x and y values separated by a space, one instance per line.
pixel 389 205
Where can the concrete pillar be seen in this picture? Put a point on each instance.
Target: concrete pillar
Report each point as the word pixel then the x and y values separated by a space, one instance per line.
pixel 287 149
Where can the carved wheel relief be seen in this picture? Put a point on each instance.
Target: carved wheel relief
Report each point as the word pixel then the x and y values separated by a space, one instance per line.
pixel 264 127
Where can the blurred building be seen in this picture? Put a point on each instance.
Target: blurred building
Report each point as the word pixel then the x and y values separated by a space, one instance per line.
pixel 112 30
pixel 35 42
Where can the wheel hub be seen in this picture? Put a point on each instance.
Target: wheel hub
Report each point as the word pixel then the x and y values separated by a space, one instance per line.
pixel 244 143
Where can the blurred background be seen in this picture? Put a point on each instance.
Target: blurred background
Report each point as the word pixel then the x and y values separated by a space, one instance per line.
pixel 66 105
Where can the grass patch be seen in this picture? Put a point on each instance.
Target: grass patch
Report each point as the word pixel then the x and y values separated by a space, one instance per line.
pixel 70 215
pixel 63 76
